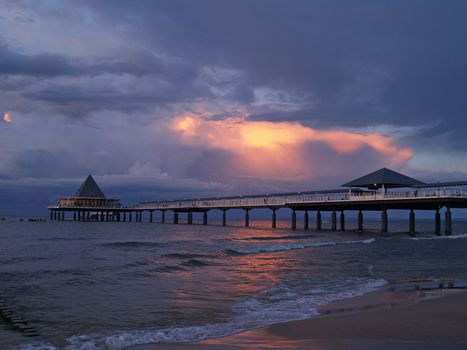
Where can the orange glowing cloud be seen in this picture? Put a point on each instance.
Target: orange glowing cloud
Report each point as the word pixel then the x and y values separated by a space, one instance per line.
pixel 276 148
pixel 7 117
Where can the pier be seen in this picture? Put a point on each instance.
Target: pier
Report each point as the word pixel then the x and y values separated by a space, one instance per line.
pixel 383 190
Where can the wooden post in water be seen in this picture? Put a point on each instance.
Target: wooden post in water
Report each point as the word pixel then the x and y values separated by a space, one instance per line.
pixel 190 217
pixel 175 217
pixel 205 217
pixel 247 217
pixel 224 217
pixel 305 220
pixel 151 215
pixel 163 216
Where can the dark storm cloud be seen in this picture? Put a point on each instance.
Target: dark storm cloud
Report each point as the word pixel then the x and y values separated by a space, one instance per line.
pixel 362 62
pixel 44 64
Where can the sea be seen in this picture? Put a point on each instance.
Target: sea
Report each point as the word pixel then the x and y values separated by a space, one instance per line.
pixel 107 286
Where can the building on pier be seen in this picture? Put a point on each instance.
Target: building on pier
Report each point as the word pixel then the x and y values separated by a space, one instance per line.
pixel 89 203
pixel 89 194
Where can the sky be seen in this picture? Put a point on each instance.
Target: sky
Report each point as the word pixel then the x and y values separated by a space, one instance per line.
pixel 185 99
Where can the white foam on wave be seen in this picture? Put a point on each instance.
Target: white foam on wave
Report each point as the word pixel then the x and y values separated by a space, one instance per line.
pixel 294 246
pixel 457 236
pixel 280 303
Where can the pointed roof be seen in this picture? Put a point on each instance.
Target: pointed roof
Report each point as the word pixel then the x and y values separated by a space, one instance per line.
pixel 89 189
pixel 387 177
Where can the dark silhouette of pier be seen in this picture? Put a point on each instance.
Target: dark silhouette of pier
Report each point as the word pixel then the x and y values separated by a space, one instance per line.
pixel 382 190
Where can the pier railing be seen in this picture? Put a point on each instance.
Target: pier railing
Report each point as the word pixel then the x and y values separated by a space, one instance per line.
pixel 298 198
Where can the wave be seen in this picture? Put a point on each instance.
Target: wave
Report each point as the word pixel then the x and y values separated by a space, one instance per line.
pixel 457 236
pixel 195 263
pixel 185 256
pixel 278 238
pixel 131 244
pixel 274 305
pixel 286 247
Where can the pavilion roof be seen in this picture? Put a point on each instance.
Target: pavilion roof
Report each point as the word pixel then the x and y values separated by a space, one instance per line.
pixel 89 189
pixel 387 177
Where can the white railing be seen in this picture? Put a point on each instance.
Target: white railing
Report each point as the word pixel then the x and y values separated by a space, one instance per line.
pixel 284 200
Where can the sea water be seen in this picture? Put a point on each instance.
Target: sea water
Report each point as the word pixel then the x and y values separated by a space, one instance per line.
pixel 91 285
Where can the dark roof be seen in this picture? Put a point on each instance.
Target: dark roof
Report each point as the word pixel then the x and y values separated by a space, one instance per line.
pixel 387 177
pixel 89 189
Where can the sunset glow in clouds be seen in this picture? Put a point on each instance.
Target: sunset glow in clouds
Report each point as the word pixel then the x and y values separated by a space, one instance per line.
pixel 7 117
pixel 281 150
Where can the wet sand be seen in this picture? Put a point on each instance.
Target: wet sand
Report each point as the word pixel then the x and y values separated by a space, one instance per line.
pixel 428 320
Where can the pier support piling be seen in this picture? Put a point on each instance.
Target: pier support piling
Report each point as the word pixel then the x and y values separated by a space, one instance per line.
pixel 175 217
pixel 124 216
pixel 333 221
pixel 151 213
pixel 437 222
pixel 247 217
pixel 342 221
pixel 360 221
pixel 384 221
pixel 274 218
pixel 412 221
pixel 163 216
pixel 205 218
pixel 224 217
pixel 305 220
pixel 190 218
pixel 294 219
pixel 447 222
pixel 318 221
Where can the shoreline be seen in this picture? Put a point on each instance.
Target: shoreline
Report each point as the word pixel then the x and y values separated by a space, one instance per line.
pixel 415 315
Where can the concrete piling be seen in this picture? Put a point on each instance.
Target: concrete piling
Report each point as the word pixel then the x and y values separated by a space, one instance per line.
pixel 294 219
pixel 384 221
pixel 447 222
pixel 437 222
pixel 360 221
pixel 318 221
pixel 412 221
pixel 333 221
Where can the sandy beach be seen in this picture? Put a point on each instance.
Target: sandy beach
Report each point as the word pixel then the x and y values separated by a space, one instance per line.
pixel 388 319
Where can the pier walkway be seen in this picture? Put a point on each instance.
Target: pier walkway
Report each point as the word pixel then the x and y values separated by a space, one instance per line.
pixel 383 190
